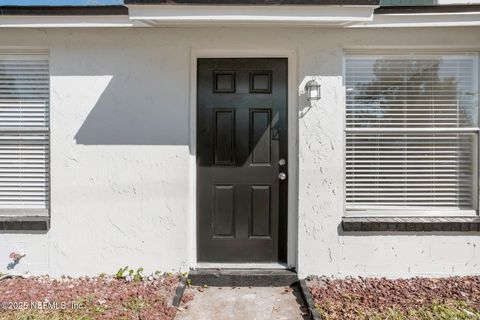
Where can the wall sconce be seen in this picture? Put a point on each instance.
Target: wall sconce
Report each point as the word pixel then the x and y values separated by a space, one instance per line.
pixel 312 88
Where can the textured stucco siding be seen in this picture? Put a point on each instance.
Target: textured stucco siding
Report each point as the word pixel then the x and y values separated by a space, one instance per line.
pixel 120 175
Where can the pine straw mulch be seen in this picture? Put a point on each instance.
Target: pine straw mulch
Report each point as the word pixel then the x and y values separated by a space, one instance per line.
pixel 403 299
pixel 104 297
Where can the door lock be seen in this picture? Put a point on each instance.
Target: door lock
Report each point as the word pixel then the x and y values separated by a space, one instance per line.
pixel 282 162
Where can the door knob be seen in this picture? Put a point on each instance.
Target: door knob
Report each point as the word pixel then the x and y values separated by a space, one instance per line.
pixel 282 176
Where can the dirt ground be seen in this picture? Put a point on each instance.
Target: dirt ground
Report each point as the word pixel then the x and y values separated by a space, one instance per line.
pixel 412 299
pixel 104 297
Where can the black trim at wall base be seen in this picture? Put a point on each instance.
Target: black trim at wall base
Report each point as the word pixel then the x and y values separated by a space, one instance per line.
pixel 411 224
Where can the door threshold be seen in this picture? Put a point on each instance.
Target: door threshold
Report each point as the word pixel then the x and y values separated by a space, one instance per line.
pixel 217 265
pixel 230 277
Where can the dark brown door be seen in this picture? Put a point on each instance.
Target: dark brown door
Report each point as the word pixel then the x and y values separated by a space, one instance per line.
pixel 241 151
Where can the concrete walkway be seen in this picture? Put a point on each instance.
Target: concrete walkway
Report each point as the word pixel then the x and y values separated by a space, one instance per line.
pixel 243 303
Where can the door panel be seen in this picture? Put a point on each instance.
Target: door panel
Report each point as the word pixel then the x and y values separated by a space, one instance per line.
pixel 260 133
pixel 224 137
pixel 241 136
pixel 261 211
pixel 223 211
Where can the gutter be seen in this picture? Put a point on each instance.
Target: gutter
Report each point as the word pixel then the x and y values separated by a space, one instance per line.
pixel 424 16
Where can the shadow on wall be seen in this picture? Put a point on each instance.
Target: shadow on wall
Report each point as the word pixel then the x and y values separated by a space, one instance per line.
pixel 135 115
pixel 140 108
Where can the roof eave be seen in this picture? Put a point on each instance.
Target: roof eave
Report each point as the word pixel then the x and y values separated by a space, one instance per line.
pixel 254 2
pixel 145 13
pixel 63 10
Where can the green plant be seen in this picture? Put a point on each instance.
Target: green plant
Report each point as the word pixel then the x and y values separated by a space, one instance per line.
pixel 129 274
pixel 458 310
pixel 137 304
pixel 121 273
pixel 99 309
pixel 136 275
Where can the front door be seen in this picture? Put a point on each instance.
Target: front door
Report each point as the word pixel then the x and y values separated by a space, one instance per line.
pixel 242 160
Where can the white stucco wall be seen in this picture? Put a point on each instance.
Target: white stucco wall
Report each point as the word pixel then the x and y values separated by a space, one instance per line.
pixel 120 175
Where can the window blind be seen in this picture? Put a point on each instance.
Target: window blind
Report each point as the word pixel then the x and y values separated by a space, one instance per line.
pixel 411 134
pixel 24 132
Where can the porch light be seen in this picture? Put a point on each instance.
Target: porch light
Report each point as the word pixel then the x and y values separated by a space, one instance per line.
pixel 312 88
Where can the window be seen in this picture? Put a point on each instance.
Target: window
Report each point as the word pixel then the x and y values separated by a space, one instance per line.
pixel 411 134
pixel 24 134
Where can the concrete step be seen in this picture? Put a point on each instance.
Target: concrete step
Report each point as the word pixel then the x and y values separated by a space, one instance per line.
pixel 242 277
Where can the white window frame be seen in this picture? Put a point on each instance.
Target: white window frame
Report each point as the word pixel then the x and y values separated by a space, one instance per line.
pixel 401 211
pixel 31 214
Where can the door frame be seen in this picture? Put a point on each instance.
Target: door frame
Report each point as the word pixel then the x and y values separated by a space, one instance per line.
pixel 292 112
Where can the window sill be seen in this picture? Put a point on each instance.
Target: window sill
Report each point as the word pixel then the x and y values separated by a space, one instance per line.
pixel 24 220
pixel 411 224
